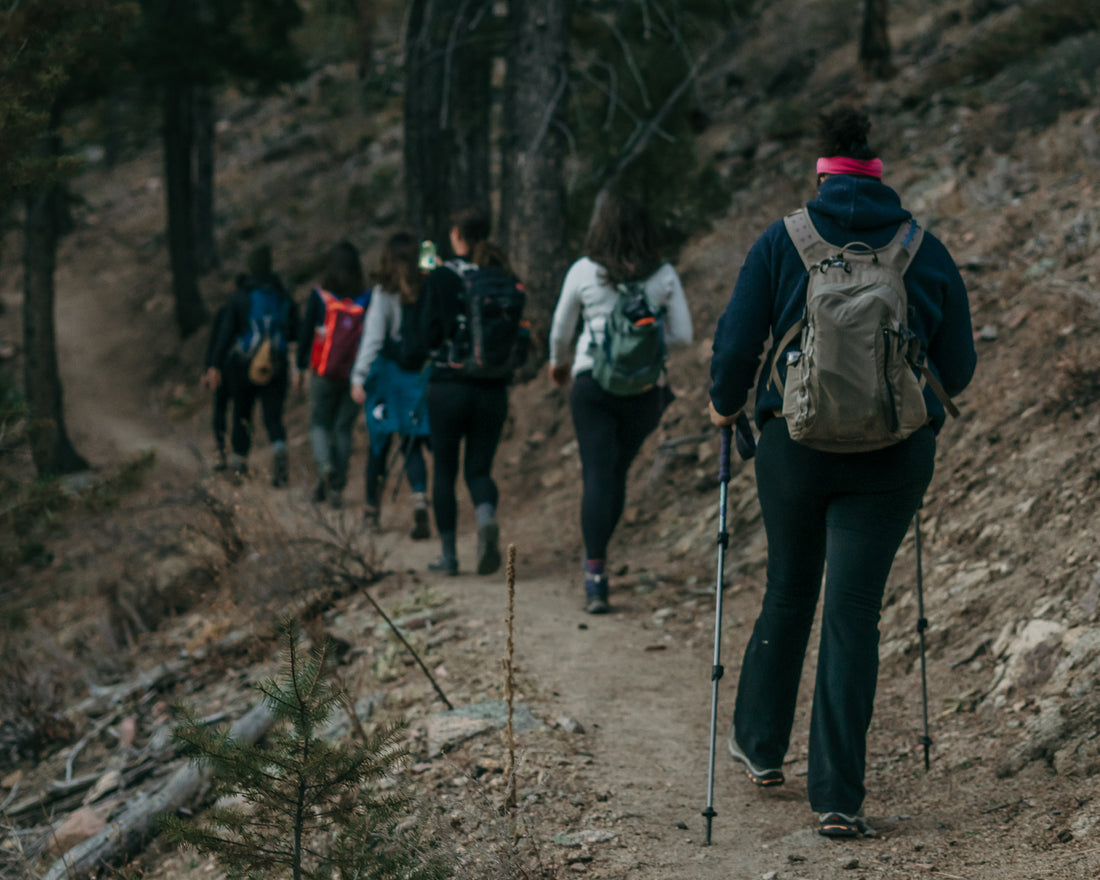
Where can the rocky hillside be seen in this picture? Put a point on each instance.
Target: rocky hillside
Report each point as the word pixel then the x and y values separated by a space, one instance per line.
pixel 152 559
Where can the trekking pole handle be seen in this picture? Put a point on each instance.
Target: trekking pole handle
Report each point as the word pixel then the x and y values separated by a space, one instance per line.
pixel 726 433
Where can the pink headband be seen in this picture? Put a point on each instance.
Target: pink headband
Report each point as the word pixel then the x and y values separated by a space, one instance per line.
pixel 844 165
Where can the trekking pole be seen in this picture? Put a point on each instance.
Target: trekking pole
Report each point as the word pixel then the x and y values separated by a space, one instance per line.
pixel 922 625
pixel 716 669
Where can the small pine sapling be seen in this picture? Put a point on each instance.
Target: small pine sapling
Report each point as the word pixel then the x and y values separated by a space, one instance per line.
pixel 298 805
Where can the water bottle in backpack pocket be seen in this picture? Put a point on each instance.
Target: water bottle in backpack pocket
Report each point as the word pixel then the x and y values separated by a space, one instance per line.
pixel 631 355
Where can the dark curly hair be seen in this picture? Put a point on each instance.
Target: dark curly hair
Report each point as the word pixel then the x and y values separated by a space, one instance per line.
pixel 844 133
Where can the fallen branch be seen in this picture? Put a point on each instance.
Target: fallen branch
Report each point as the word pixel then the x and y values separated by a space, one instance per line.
pixel 137 823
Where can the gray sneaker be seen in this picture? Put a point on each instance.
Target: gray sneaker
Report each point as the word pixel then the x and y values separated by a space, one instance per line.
pixel 765 778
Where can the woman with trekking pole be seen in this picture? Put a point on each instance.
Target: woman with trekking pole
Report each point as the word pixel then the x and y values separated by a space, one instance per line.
pixel 391 387
pixel 630 300
pixel 835 499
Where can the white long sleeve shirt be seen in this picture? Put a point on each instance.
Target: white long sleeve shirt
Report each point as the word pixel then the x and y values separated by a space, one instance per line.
pixel 383 319
pixel 584 294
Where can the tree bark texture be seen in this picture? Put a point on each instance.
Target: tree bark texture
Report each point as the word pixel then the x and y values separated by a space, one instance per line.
pixel 206 246
pixel 179 139
pixel 532 178
pixel 51 449
pixel 364 37
pixel 875 57
pixel 448 62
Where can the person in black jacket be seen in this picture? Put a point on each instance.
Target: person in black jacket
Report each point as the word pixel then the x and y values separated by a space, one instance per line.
pixel 843 514
pixel 461 409
pixel 235 339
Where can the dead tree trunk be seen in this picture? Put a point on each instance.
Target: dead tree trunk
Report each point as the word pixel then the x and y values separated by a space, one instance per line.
pixel 206 247
pixel 875 57
pixel 51 449
pixel 532 186
pixel 447 104
pixel 179 139
pixel 129 832
pixel 364 37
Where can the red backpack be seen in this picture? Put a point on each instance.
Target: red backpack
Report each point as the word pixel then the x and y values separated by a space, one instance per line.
pixel 336 341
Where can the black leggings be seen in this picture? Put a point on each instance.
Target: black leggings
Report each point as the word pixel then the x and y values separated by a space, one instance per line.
pixel 610 431
pixel 272 398
pixel 457 410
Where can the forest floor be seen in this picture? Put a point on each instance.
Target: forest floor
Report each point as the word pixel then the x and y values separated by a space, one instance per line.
pixel 612 773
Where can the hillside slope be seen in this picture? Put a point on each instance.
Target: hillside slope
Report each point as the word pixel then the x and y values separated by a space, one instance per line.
pixel 1002 169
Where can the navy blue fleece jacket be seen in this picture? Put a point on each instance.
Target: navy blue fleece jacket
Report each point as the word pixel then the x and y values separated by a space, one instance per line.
pixel 770 296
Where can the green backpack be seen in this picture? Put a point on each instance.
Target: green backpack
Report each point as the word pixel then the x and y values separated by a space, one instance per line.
pixel 852 379
pixel 632 354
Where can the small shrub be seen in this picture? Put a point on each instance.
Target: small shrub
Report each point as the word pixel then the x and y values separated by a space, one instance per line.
pixel 31 707
pixel 301 806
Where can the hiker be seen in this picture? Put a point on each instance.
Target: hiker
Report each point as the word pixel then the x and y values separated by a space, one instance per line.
pixel 212 379
pixel 844 513
pixel 331 333
pixel 392 389
pixel 253 344
pixel 612 421
pixel 465 404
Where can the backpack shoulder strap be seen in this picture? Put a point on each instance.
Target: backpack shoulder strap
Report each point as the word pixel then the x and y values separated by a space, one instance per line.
pixel 812 248
pixel 903 247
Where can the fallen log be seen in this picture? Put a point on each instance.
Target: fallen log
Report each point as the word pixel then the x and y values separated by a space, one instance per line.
pixel 135 825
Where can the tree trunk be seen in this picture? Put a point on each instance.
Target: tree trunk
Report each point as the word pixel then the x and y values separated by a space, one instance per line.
pixel 874 42
pixel 364 37
pixel 447 104
pixel 179 139
pixel 206 247
pixel 466 115
pixel 51 449
pixel 532 178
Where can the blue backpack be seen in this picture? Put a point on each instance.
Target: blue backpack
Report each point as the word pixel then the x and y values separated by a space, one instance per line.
pixel 263 343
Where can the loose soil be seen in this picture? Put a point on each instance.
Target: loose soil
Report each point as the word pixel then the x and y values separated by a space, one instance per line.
pixel 614 781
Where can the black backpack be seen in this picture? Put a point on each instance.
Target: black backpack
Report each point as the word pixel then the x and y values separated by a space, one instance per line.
pixel 490 338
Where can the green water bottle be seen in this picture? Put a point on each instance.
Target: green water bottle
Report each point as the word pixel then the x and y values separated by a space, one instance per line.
pixel 428 260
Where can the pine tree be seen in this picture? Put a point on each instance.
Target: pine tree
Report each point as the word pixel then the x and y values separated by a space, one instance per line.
pixel 301 806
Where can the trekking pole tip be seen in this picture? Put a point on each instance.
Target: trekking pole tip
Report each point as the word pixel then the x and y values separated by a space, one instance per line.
pixel 709 814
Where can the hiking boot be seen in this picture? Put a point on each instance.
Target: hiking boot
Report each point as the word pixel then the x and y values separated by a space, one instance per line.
pixel 221 463
pixel 421 529
pixel 842 825
pixel 370 517
pixel 445 563
pixel 336 499
pixel 595 594
pixel 238 469
pixel 320 489
pixel 488 547
pixel 765 778
pixel 281 473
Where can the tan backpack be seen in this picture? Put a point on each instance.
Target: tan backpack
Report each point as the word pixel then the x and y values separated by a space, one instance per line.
pixel 852 383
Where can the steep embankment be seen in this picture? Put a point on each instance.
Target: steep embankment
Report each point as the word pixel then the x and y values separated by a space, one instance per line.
pixel 191 567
